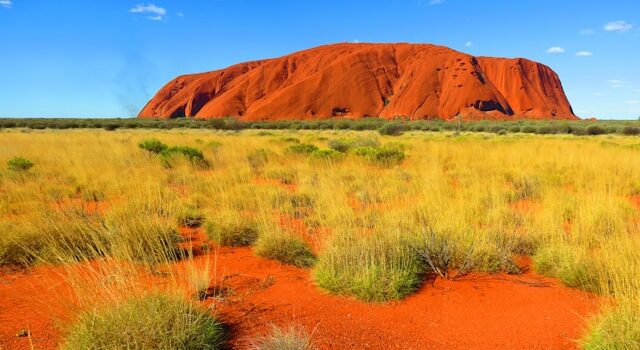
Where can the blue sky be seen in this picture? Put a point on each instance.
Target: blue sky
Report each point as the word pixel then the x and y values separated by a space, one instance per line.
pixel 102 58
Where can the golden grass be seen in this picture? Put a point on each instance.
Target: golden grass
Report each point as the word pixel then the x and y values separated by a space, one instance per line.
pixel 564 200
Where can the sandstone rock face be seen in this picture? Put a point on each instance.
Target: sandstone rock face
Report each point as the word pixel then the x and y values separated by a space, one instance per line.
pixel 417 81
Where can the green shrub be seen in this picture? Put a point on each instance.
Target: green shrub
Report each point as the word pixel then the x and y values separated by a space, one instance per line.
pixel 529 129
pixel 545 129
pixel 292 338
pixel 391 129
pixel 302 148
pixel 630 130
pixel 193 155
pixel 284 247
pixel 326 154
pixel 153 146
pixel 595 130
pixel 19 164
pixel 149 322
pixel 344 145
pixel 229 229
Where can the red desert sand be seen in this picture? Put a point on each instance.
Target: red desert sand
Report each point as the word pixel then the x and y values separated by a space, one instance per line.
pixel 479 311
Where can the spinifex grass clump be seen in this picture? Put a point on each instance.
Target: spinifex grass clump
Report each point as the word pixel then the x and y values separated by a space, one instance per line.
pixel 149 322
pixel 147 238
pixel 257 159
pixel 377 267
pixel 285 247
pixel 231 229
pixel 190 217
pixel 291 338
pixel 54 237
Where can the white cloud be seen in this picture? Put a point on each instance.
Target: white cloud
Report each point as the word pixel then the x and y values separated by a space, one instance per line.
pixel 616 83
pixel 584 53
pixel 555 49
pixel 6 3
pixel 468 44
pixel 155 13
pixel 180 14
pixel 436 2
pixel 617 26
pixel 355 41
pixel 586 31
pixel 598 94
pixel 632 102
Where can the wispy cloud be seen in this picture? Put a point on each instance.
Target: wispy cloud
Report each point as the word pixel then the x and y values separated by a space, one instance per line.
pixel 155 13
pixel 584 53
pixel 617 26
pixel 632 102
pixel 180 14
pixel 436 2
pixel 355 41
pixel 588 31
pixel 468 44
pixel 555 49
pixel 617 83
pixel 6 3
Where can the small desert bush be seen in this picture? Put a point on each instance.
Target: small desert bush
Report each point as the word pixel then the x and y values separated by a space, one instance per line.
pixel 596 130
pixel 302 148
pixel 631 130
pixel 285 247
pixel 376 267
pixel 193 155
pixel 381 156
pixel 148 322
pixel 19 164
pixel 326 155
pixel 153 146
pixel 344 145
pixel 291 338
pixel 439 254
pixel 231 229
pixel 391 129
